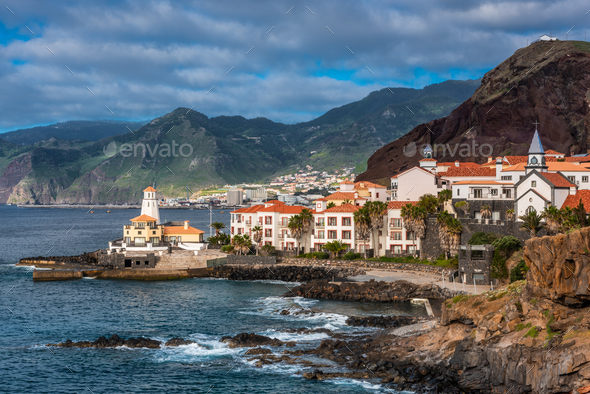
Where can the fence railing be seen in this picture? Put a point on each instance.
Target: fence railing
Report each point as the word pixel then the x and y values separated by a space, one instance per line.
pixel 216 262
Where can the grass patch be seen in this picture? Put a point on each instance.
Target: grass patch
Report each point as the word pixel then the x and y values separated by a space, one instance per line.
pixel 521 326
pixel 533 333
pixel 476 304
pixel 450 263
pixel 460 298
pixel 533 301
pixel 582 46
pixel 497 295
pixel 579 319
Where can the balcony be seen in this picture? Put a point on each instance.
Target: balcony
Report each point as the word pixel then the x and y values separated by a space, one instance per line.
pixel 248 222
pixel 488 196
pixel 395 227
pixel 320 225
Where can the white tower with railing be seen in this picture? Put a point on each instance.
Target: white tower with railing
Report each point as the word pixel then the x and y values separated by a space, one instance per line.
pixel 149 205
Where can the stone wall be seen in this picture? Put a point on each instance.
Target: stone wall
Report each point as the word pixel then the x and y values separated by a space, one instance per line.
pixel 469 264
pixel 249 259
pixel 281 272
pixel 363 264
pixel 120 261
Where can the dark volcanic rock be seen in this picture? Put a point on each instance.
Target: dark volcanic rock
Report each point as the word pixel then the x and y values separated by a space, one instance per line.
pixel 290 273
pixel 113 341
pixel 179 342
pixel 369 291
pixel 545 81
pixel 258 351
pixel 383 321
pixel 250 340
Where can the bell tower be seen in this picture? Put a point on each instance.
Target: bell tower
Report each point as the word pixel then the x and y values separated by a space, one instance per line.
pixel 149 205
pixel 536 160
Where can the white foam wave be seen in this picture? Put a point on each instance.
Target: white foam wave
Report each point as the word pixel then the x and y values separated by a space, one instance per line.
pixel 206 349
pixel 295 337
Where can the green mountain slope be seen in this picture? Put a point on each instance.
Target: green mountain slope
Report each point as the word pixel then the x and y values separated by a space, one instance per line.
pixel 186 148
pixel 72 130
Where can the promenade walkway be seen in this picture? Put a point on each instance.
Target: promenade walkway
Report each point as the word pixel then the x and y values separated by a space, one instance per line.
pixel 418 278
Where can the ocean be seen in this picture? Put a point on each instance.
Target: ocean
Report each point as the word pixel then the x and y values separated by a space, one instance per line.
pixel 36 313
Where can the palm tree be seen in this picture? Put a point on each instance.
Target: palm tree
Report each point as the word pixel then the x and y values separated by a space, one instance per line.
pixel 510 214
pixel 377 210
pixel 347 201
pixel 335 247
pixel 295 227
pixel 410 215
pixel 553 218
pixel 444 196
pixel 306 221
pixel 580 212
pixel 362 223
pixel 443 234
pixel 486 212
pixel 531 222
pixel 218 226
pixel 331 204
pixel 419 216
pixel 454 229
pixel 429 203
pixel 257 237
pixel 464 206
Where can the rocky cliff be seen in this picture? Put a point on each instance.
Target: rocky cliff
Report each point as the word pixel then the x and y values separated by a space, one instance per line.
pixel 548 82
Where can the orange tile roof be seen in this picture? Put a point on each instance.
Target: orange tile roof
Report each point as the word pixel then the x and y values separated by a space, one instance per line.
pixel 427 159
pixel 553 152
pixel 552 166
pixel 343 208
pixel 281 208
pixel 399 204
pixel 581 159
pixel 342 196
pixel 321 199
pixel 347 183
pixel 365 185
pixel 252 209
pixel 461 164
pixel 181 230
pixel 416 167
pixel 468 171
pixel 481 182
pixel 143 218
pixel 150 189
pixel 557 179
pixel 573 200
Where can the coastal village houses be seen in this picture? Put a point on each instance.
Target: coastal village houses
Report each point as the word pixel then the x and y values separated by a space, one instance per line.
pixel 510 185
pixel 146 233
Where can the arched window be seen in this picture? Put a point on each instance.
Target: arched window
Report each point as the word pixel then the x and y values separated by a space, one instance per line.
pixel 530 209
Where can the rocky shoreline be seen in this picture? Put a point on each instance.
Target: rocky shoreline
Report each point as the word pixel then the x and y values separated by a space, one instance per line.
pixel 283 273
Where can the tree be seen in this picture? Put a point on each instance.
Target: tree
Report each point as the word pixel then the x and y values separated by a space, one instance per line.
pixel 486 212
pixel 295 227
pixel 580 212
pixel 510 214
pixel 331 204
pixel 257 237
pixel 414 221
pixel 362 223
pixel 507 245
pixel 454 228
pixel 482 238
pixel 306 221
pixel 241 243
pixel 221 239
pixel 444 196
pixel 407 214
pixel 377 210
pixel 218 226
pixel 553 219
pixel 531 222
pixel 335 247
pixel 463 205
pixel 429 203
pixel 519 272
pixel 443 235
pixel 347 201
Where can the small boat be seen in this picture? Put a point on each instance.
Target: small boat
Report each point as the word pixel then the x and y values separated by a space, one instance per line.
pixel 221 212
pixel 91 211
pixel 108 211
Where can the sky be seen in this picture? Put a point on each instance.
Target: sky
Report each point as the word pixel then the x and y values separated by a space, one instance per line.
pixel 285 60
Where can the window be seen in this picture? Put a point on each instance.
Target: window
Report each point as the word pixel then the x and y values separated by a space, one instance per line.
pixel 410 249
pixel 127 263
pixel 477 193
pixel 572 179
pixel 507 193
pixel 496 215
pixel 396 235
pixel 240 230
pixel 521 177
pixel 585 178
pixel 321 234
pixel 346 234
pixel 395 223
pixel 285 234
pixel 377 195
pixel 139 241
pixel 397 249
pixel 478 277
pixel 458 192
pixel 346 221
pixel 321 222
pixel 139 232
pixel 380 233
pixel 137 262
pixel 268 220
pixel 268 232
pixel 146 262
pixel 506 177
pixel 533 183
pixel 531 209
pixel 332 222
pixel 494 192
pixel 410 236
pixel 284 222
pixel 127 232
pixel 332 234
pixel 155 240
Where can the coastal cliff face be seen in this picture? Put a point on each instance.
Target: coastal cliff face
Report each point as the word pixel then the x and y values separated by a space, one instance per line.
pixel 547 82
pixel 560 267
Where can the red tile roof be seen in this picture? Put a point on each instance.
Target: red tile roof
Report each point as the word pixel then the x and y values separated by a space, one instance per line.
pixel 468 171
pixel 427 159
pixel 347 183
pixel 461 164
pixel 557 179
pixel 282 208
pixel 416 167
pixel 573 200
pixel 581 159
pixel 252 209
pixel 342 196
pixel 553 152
pixel 399 204
pixel 143 218
pixel 365 185
pixel 343 208
pixel 150 189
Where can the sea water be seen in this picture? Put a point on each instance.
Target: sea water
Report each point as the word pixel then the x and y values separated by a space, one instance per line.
pixel 34 314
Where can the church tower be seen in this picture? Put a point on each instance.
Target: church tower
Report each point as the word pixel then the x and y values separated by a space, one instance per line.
pixel 149 205
pixel 536 160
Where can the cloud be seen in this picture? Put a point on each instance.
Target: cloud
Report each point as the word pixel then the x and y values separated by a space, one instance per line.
pixel 145 58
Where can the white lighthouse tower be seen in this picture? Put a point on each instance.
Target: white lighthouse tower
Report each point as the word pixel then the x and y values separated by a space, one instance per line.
pixel 149 205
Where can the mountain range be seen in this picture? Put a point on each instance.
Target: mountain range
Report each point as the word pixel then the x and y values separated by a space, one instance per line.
pixel 111 162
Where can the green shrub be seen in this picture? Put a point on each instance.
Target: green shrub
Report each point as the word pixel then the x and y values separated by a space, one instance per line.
pixel 498 268
pixel 320 255
pixel 507 245
pixel 227 248
pixel 267 250
pixel 482 238
pixel 533 333
pixel 521 326
pixel 351 256
pixel 518 272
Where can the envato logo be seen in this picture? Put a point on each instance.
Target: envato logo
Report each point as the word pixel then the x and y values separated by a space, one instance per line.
pixel 141 149
pixel 462 150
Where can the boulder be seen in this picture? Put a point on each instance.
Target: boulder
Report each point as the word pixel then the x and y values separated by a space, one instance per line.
pixel 179 342
pixel 250 340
